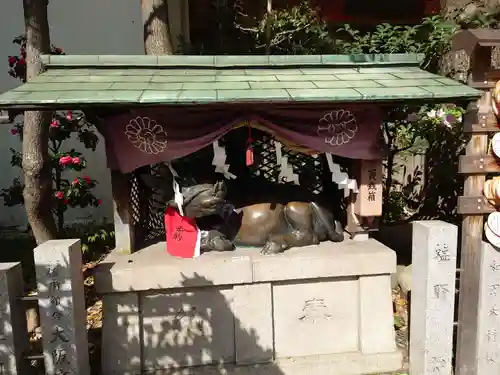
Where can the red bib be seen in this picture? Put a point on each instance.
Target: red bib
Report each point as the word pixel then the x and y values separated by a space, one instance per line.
pixel 183 236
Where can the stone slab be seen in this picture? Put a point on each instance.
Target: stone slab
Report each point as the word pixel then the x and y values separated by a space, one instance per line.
pixel 153 268
pixel 121 334
pixel 13 330
pixel 188 328
pixel 376 322
pixel 316 318
pixel 488 332
pixel 61 299
pixel 336 364
pixel 433 297
pixel 254 329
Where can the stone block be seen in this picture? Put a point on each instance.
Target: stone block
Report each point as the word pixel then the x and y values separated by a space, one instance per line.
pixel 189 328
pixel 153 268
pixel 376 322
pixel 13 330
pixel 316 318
pixel 433 297
pixel 253 323
pixel 488 332
pixel 348 258
pixel 121 334
pixel 63 316
pixel 336 364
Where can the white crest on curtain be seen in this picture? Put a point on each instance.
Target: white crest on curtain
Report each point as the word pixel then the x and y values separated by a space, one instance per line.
pixel 146 135
pixel 337 127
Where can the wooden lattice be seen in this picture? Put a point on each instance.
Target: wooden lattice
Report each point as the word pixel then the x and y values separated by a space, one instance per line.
pixel 309 168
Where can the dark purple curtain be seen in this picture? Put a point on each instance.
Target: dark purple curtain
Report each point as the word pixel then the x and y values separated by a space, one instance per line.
pixel 150 135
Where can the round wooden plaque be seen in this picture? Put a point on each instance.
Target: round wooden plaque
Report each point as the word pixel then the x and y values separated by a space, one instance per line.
pixel 492 229
pixel 495 144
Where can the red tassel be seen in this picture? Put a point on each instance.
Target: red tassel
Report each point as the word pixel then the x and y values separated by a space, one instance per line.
pixel 249 156
pixel 249 152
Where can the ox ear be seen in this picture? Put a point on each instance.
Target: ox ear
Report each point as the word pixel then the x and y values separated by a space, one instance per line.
pixel 219 188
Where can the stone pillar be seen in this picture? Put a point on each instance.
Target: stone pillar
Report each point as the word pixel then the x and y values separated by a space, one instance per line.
pixel 488 333
pixel 433 297
pixel 61 299
pixel 13 331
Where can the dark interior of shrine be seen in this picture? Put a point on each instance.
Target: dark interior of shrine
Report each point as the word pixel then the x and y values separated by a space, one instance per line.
pixel 257 183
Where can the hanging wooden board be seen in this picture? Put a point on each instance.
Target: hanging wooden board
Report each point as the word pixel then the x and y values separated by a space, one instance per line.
pixel 369 198
pixel 474 206
pixel 476 122
pixel 478 164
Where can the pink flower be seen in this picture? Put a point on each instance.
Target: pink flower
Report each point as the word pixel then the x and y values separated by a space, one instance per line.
pixel 12 60
pixel 66 201
pixel 54 124
pixel 99 202
pixel 65 160
pixel 69 115
pixel 76 160
pixel 22 61
pixel 59 195
pixel 76 181
pixel 13 131
pixel 87 180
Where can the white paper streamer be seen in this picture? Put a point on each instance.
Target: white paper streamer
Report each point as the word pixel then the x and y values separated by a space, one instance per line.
pixel 286 170
pixel 219 161
pixel 341 178
pixel 178 197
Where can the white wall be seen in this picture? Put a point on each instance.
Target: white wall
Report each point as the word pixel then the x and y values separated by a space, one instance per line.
pixel 79 27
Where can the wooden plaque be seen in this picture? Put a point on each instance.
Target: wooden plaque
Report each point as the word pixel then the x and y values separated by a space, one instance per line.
pixel 369 197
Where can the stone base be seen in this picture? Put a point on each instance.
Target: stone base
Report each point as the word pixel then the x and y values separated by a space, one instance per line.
pixel 336 364
pixel 323 309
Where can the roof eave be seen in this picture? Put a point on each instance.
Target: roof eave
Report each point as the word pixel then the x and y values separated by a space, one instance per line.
pixel 229 61
pixel 68 106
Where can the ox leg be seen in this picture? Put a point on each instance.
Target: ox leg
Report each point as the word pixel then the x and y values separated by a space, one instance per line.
pixel 298 229
pixel 213 240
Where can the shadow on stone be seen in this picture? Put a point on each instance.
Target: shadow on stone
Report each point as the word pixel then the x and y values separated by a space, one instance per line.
pixel 172 330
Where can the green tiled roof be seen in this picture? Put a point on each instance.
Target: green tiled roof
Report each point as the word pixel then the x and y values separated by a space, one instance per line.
pixel 70 81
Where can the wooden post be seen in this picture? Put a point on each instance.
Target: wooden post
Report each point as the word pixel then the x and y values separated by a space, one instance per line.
pixel 472 234
pixel 122 212
pixel 366 205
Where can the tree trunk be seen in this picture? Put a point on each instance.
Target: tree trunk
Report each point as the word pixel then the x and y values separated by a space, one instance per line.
pixel 156 31
pixel 36 163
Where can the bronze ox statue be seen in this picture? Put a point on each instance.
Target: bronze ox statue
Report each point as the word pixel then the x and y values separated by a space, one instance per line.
pixel 275 227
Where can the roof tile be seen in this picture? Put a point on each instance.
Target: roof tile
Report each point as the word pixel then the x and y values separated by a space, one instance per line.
pixel 88 80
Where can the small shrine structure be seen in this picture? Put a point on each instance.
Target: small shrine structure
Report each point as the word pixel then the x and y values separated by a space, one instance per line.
pixel 314 125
